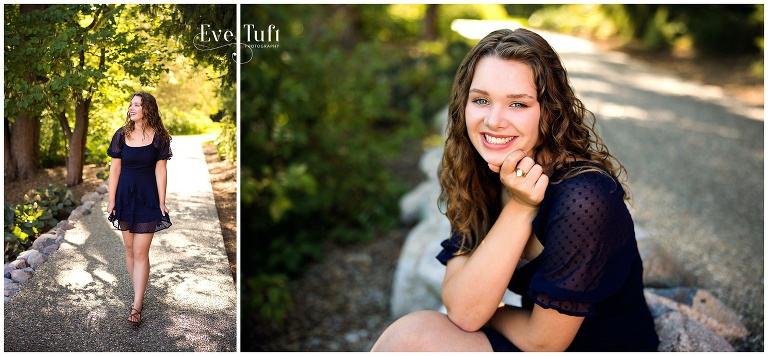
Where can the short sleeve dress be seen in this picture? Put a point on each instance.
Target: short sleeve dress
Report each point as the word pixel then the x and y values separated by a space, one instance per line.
pixel 590 265
pixel 137 202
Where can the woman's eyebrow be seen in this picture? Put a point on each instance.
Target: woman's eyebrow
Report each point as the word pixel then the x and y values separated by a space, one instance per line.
pixel 509 96
pixel 518 96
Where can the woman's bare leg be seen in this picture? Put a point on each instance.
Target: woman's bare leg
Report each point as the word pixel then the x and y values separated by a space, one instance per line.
pixel 137 260
pixel 128 241
pixel 429 331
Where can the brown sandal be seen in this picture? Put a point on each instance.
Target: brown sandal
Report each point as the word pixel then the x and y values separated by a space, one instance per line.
pixel 135 314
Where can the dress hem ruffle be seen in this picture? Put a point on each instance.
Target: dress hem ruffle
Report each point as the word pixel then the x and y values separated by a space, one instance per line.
pixel 141 227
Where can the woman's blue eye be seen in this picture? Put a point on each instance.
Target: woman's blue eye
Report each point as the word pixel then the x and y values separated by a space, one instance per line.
pixel 480 101
pixel 518 105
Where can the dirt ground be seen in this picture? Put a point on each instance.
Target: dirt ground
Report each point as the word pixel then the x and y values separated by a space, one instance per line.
pixel 224 183
pixel 14 191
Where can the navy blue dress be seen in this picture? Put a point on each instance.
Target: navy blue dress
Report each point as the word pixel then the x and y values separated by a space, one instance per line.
pixel 590 266
pixel 137 202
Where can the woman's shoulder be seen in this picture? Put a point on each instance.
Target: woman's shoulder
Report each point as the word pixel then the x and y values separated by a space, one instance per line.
pixel 119 133
pixel 584 178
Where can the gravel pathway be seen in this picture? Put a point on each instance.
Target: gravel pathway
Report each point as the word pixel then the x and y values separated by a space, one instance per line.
pixel 695 163
pixel 79 299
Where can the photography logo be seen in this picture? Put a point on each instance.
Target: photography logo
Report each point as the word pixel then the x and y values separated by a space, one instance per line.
pixel 255 38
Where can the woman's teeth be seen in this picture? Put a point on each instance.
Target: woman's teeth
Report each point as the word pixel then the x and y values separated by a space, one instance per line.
pixel 497 140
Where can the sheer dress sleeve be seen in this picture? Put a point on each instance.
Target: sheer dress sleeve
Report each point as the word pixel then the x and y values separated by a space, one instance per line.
pixel 586 229
pixel 164 149
pixel 451 246
pixel 115 149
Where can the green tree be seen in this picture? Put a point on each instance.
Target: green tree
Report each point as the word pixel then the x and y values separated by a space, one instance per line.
pixel 77 46
pixel 184 25
pixel 24 98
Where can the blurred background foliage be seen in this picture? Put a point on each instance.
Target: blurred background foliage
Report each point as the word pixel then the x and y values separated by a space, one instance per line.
pixel 689 30
pixel 350 88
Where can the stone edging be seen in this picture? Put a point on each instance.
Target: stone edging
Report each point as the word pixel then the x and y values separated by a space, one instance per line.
pixel 18 272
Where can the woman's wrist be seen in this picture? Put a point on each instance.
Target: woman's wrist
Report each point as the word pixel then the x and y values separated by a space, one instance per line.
pixel 516 207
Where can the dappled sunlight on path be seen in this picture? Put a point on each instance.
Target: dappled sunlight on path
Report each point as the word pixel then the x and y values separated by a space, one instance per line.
pixel 79 299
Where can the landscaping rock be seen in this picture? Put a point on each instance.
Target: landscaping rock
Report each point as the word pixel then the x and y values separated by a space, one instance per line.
pixel 699 305
pixel 7 271
pixel 92 196
pixel 66 225
pixel 21 275
pixel 11 288
pixel 84 210
pixel 679 333
pixel 415 205
pixel 88 205
pixel 103 188
pixel 418 275
pixel 430 161
pixel 76 215
pixel 659 268
pixel 34 258
pixel 50 249
pixel 44 241
pixel 18 264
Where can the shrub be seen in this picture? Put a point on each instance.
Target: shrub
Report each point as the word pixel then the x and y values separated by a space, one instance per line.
pixel 193 122
pixel 39 212
pixel 59 200
pixel 270 296
pixel 226 141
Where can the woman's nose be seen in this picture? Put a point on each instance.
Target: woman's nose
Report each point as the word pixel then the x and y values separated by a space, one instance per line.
pixel 495 118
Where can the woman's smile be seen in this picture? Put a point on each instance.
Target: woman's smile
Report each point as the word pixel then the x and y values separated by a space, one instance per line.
pixel 497 142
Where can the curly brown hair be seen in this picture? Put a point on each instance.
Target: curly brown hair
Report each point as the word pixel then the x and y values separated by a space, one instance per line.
pixel 470 191
pixel 151 114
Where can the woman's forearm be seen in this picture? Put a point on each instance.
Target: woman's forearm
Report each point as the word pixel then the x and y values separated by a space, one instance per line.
pixel 474 284
pixel 161 174
pixel 114 177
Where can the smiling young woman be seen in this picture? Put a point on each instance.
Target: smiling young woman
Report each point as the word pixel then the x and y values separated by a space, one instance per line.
pixel 536 207
pixel 140 151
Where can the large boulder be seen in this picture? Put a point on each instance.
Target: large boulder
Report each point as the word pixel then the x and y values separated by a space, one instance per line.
pixel 659 268
pixel 699 305
pixel 677 332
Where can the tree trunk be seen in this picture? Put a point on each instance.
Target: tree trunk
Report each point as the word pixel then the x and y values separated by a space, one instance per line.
pixel 9 167
pixel 430 23
pixel 25 145
pixel 351 35
pixel 76 158
pixel 65 129
pixel 22 138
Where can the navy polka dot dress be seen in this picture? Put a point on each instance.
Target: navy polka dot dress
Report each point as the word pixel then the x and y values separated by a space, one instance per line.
pixel 590 265
pixel 137 202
